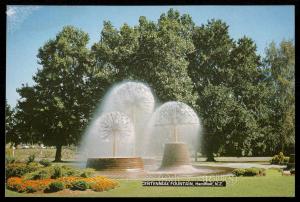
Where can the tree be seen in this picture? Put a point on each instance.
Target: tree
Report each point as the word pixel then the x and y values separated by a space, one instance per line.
pixel 155 53
pixel 27 118
pixel 59 101
pixel 10 121
pixel 280 61
pixel 232 94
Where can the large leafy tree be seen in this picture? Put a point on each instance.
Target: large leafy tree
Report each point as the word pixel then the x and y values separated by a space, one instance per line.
pixel 59 101
pixel 152 52
pixel 280 63
pixel 231 89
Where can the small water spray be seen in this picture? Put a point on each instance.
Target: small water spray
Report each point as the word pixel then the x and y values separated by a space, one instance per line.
pixel 114 127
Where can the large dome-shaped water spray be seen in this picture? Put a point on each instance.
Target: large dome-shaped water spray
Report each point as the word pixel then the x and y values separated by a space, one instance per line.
pixel 132 98
pixel 173 115
pixel 136 100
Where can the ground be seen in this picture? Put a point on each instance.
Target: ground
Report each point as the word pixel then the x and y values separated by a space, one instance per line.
pixel 273 184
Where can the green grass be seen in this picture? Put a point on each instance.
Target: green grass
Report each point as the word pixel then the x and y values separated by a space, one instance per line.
pixel 273 184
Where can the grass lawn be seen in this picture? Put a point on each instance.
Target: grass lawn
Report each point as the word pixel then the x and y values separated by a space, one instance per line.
pixel 273 184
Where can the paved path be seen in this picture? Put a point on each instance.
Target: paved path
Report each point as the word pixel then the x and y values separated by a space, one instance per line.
pixel 241 165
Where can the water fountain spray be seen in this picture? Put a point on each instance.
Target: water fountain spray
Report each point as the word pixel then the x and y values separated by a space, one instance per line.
pixel 115 126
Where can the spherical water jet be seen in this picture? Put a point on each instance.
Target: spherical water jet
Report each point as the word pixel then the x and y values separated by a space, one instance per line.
pixel 136 100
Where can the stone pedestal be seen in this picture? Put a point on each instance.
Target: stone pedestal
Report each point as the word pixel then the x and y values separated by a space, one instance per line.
pixel 115 163
pixel 175 154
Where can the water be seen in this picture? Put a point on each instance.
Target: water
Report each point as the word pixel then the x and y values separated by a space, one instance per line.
pixel 125 124
pixel 172 122
pixel 133 100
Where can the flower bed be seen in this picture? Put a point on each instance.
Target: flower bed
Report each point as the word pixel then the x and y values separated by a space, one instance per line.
pixel 98 183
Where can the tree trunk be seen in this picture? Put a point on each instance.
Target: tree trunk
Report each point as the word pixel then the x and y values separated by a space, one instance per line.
pixel 58 153
pixel 210 157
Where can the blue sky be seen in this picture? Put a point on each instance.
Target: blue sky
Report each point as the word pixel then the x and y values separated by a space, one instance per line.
pixel 29 27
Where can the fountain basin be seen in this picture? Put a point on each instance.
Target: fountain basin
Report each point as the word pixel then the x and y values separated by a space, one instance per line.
pixel 115 163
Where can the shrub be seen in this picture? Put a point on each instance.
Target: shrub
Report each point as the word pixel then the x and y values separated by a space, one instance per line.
pixel 55 186
pixel 80 185
pixel 239 172
pixel 68 180
pixel 41 174
pixel 87 173
pixel 99 184
pixel 249 172
pixel 31 158
pixel 20 185
pixel 30 189
pixel 10 159
pixel 57 172
pixel 32 186
pixel 69 171
pixel 292 171
pixel 14 183
pixel 279 159
pixel 19 169
pixel 45 162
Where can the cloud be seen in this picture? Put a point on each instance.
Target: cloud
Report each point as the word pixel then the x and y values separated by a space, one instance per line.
pixel 16 15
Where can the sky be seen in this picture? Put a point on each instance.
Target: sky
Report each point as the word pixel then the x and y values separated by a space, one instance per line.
pixel 30 27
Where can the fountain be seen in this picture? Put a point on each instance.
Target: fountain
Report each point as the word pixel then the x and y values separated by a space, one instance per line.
pixel 125 109
pixel 125 128
pixel 174 120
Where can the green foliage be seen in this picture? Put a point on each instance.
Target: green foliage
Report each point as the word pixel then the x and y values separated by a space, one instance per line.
pixel 80 185
pixel 87 172
pixel 249 172
pixel 155 53
pixel 55 186
pixel 280 65
pixel 45 162
pixel 31 158
pixel 10 159
pixel 239 172
pixel 19 169
pixel 31 189
pixel 69 171
pixel 11 134
pixel 59 101
pixel 279 159
pixel 41 174
pixel 57 172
